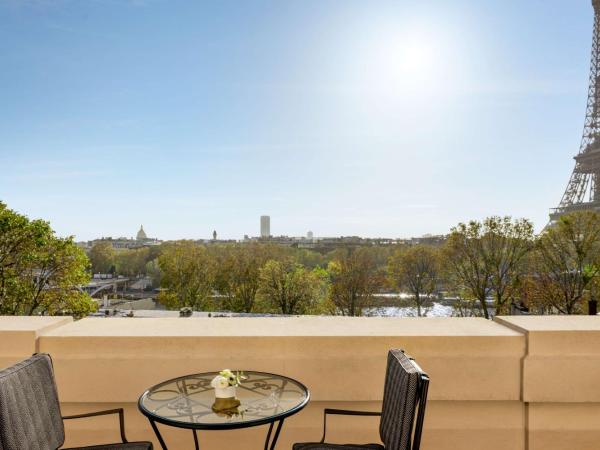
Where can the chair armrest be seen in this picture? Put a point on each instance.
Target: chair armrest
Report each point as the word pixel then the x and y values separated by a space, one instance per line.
pixel 118 411
pixel 344 412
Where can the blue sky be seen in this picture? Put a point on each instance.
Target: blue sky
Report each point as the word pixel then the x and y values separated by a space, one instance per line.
pixel 379 118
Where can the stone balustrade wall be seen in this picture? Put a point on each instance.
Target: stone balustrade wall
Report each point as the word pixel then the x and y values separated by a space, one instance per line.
pixel 522 383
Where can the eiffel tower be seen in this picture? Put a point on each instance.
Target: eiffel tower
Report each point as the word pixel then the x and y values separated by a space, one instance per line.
pixel 583 190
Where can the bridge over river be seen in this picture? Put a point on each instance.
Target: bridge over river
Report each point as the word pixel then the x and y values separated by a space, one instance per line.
pixel 102 285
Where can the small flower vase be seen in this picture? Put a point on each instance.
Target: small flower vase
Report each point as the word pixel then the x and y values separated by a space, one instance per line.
pixel 225 399
pixel 228 392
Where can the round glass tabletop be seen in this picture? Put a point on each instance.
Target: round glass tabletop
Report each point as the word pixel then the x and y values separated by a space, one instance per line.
pixel 187 402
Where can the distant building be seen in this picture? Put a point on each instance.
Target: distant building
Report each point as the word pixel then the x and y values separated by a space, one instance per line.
pixel 141 240
pixel 429 239
pixel 265 226
pixel 216 241
pixel 310 235
pixel 141 235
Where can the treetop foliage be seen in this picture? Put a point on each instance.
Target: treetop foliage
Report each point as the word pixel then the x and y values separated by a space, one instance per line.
pixel 39 272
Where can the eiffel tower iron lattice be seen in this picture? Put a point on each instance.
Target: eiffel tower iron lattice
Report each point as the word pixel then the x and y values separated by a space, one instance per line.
pixel 583 190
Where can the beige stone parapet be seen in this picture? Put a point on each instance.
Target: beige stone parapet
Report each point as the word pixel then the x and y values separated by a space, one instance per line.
pixel 19 335
pixel 474 365
pixel 523 383
pixel 561 375
pixel 124 356
pixel 562 361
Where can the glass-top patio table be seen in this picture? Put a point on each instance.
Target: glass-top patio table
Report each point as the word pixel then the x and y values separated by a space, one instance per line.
pixel 186 402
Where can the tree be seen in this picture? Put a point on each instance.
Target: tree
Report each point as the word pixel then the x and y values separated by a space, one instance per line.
pixel 415 270
pixel 102 257
pixel 132 262
pixel 39 272
pixel 187 276
pixel 153 271
pixel 566 262
pixel 507 243
pixel 237 272
pixel 486 258
pixel 309 258
pixel 354 280
pixel 289 288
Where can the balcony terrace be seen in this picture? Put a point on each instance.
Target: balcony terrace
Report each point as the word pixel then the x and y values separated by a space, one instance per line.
pixel 523 383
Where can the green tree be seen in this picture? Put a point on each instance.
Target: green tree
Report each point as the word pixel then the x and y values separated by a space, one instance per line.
pixel 289 288
pixel 508 243
pixel 187 276
pixel 238 270
pixel 132 262
pixel 39 272
pixel 309 258
pixel 416 270
pixel 324 304
pixel 487 258
pixel 355 279
pixel 153 271
pixel 566 262
pixel 102 257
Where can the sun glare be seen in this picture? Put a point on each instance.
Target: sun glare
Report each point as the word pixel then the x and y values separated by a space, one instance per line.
pixel 415 58
pixel 412 61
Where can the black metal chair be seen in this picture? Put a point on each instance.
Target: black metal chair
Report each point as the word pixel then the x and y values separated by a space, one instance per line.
pixel 404 398
pixel 30 417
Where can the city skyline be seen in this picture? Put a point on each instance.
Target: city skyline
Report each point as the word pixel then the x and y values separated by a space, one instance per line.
pixel 260 233
pixel 333 117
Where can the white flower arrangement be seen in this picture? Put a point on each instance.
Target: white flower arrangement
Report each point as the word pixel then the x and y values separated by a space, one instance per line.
pixel 227 378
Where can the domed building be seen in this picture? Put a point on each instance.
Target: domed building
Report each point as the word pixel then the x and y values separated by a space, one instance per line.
pixel 141 240
pixel 141 235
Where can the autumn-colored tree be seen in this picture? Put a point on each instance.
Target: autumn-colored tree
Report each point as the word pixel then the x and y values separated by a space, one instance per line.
pixel 187 276
pixel 487 258
pixel 102 257
pixel 415 270
pixel 355 278
pixel 289 288
pixel 39 272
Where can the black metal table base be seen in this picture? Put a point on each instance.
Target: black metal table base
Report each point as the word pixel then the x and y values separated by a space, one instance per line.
pixel 158 435
pixel 269 443
pixel 277 430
